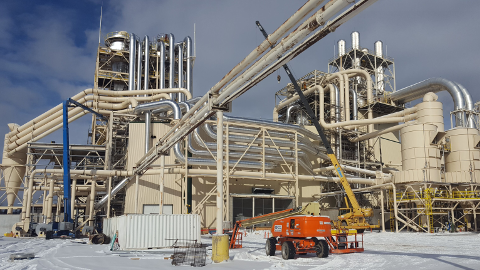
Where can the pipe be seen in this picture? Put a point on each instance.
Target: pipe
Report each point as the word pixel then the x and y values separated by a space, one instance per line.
pixel 139 66
pixel 189 83
pixel 468 105
pixel 184 126
pixel 161 52
pixel 354 103
pixel 219 219
pixel 56 113
pixel 357 122
pixel 308 7
pixel 289 111
pixel 131 62
pixel 317 151
pixel 311 24
pixel 347 97
pixel 146 81
pixel 381 132
pixel 179 47
pixel 337 102
pixel 171 76
pixel 92 202
pixel 435 85
pixel 154 106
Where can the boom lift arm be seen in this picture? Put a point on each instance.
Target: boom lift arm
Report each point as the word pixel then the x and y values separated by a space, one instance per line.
pixel 357 220
pixel 309 209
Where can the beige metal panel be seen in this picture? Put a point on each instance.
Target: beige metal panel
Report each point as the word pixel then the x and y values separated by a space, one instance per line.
pixel 153 231
pixel 431 112
pixel 390 147
pixel 418 152
pixel 148 191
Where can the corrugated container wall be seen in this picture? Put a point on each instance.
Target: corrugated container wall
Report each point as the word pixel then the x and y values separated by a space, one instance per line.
pixel 152 231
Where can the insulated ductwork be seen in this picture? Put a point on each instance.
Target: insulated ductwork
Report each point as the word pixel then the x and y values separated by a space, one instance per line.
pixel 171 76
pixel 470 121
pixel 146 80
pixel 179 49
pixel 131 65
pixel 289 112
pixel 418 90
pixel 189 83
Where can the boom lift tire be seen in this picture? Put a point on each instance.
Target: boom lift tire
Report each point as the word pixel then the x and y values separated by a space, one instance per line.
pixel 270 246
pixel 288 250
pixel 322 249
pixel 360 230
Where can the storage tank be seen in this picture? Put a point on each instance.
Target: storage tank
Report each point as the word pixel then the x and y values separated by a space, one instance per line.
pixel 462 159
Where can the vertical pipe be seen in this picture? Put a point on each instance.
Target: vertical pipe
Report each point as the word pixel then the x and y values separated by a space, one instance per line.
pixel 188 42
pixel 219 172
pixel 136 194
pixel 162 174
pixel 383 210
pixel 74 191
pixel 181 97
pixel 131 64
pixel 347 97
pixel 109 192
pixel 139 66
pixel 66 164
pixel 171 76
pixel 92 202
pixel 161 52
pixel 148 114
pixel 50 202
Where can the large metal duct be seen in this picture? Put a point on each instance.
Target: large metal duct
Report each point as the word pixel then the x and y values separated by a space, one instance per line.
pixel 211 162
pixel 317 151
pixel 162 104
pixel 146 81
pixel 161 53
pixel 139 65
pixel 179 49
pixel 435 85
pixel 289 112
pixel 468 106
pixel 189 83
pixel 171 75
pixel 131 64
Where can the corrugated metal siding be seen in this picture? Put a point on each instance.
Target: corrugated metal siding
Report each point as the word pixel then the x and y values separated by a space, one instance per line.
pixel 152 231
pixel 149 185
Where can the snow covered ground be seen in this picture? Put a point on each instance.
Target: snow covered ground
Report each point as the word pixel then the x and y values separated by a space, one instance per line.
pixel 382 251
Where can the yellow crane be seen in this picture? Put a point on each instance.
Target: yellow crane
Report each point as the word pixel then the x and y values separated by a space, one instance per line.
pixel 349 218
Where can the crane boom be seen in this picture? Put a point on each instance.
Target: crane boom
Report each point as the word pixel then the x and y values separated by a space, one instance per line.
pixel 326 143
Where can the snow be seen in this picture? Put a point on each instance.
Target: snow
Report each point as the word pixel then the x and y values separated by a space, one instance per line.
pixel 382 251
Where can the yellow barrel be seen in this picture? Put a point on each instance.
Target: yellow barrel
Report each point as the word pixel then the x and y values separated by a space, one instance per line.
pixel 220 250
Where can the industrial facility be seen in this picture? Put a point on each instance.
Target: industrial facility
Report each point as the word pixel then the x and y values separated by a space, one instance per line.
pixel 159 153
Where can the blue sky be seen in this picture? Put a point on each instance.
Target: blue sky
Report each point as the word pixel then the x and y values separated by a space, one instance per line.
pixel 48 48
